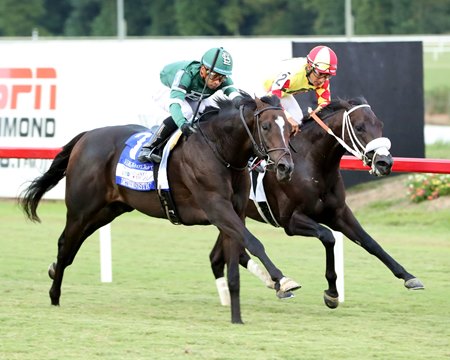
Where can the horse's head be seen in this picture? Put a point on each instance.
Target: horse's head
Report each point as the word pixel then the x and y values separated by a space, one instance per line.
pixel 247 127
pixel 360 133
pixel 272 131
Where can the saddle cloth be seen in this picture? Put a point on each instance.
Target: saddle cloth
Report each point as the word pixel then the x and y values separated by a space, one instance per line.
pixel 136 175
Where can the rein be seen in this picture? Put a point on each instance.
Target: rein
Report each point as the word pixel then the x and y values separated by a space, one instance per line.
pixel 379 145
pixel 214 149
pixel 261 150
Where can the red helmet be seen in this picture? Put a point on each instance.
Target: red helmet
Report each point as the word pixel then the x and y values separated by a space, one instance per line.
pixel 323 60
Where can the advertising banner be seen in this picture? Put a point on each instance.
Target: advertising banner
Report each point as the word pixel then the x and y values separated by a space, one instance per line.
pixel 52 90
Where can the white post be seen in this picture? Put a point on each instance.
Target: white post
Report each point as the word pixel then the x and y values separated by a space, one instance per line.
pixel 105 254
pixel 349 21
pixel 339 263
pixel 120 20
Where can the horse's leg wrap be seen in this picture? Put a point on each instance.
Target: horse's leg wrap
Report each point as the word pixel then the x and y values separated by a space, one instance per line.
pixel 224 292
pixel 261 273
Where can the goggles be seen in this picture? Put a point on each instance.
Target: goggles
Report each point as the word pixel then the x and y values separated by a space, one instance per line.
pixel 320 75
pixel 215 76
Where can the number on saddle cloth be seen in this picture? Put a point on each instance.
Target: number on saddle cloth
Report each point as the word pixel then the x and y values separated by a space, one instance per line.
pixel 135 175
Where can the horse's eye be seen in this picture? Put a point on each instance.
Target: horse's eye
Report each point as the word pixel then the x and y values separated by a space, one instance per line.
pixel 265 126
pixel 359 128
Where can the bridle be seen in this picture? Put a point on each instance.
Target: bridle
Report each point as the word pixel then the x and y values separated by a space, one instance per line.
pixel 380 146
pixel 261 150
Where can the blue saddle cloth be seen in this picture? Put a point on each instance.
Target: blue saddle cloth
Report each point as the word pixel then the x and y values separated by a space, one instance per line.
pixel 132 173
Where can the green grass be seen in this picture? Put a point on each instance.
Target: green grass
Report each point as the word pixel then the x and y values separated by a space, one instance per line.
pixel 436 71
pixel 162 303
pixel 436 84
pixel 438 150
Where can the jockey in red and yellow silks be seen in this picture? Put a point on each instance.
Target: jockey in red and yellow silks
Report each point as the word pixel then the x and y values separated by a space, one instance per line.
pixel 299 75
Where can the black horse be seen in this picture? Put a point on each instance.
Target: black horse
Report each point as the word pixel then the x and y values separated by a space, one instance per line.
pixel 207 176
pixel 316 194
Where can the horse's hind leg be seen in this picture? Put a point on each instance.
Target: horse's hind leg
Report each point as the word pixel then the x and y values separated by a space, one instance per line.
pixel 226 252
pixel 218 260
pixel 232 252
pixel 56 271
pixel 71 240
pixel 67 245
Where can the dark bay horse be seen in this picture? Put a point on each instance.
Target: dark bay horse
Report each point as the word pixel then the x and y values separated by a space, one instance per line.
pixel 316 194
pixel 207 176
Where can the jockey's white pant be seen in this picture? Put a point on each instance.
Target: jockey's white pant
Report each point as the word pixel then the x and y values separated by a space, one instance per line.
pixel 188 106
pixel 289 104
pixel 292 107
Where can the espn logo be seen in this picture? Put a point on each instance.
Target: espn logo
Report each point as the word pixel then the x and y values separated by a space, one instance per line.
pixel 20 88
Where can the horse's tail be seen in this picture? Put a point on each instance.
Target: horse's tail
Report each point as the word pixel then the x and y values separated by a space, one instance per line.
pixel 30 197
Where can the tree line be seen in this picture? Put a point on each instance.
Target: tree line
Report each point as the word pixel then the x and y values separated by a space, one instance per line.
pixel 74 18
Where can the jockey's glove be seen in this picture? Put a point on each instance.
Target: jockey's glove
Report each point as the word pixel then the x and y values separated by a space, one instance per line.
pixel 315 111
pixel 187 129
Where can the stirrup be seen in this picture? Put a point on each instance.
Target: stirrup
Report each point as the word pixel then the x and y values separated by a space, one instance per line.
pixel 149 155
pixel 144 155
pixel 154 156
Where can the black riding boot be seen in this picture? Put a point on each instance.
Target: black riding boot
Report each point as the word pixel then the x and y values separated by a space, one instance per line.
pixel 150 150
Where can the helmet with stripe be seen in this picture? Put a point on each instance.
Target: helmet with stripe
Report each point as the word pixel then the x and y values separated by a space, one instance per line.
pixel 224 63
pixel 323 60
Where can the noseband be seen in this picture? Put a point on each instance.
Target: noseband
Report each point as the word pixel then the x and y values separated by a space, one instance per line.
pixel 380 146
pixel 261 150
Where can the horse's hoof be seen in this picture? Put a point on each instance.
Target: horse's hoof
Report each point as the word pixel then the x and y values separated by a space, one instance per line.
pixel 51 271
pixel 285 295
pixel 287 285
pixel 330 301
pixel 414 284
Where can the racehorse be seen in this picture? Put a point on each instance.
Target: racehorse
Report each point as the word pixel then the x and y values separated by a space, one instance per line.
pixel 316 195
pixel 207 176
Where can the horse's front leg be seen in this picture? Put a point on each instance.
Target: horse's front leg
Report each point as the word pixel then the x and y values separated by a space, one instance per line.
pixel 256 248
pixel 223 215
pixel 351 228
pixel 303 225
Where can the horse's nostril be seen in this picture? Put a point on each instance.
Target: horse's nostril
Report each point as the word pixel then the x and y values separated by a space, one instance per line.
pixel 384 164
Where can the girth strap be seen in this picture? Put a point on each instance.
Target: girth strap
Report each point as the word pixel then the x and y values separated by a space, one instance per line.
pixel 166 200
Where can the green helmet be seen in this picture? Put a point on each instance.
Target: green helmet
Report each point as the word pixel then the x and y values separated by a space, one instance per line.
pixel 224 63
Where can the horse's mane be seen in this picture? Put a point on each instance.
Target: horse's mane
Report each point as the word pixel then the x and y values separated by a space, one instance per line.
pixel 334 106
pixel 224 105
